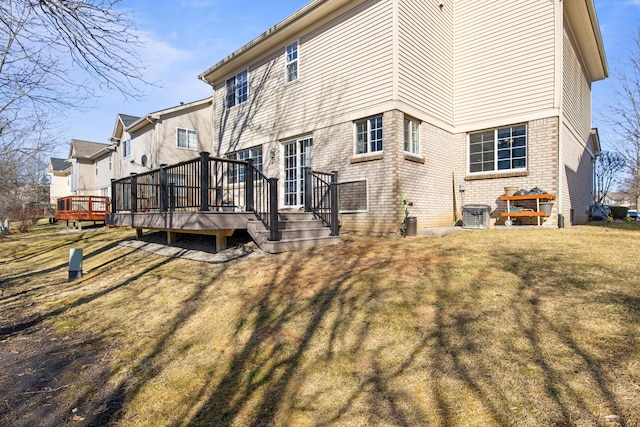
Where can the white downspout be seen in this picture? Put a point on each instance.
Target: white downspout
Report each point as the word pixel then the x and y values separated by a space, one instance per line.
pixel 559 99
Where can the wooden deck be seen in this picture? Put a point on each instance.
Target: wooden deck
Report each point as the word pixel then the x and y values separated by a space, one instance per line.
pixel 82 208
pixel 215 196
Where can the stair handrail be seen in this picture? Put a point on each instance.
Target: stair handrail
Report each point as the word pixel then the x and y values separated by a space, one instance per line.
pixel 321 197
pixel 262 199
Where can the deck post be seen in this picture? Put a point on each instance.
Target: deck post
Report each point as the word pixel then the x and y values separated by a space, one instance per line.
pixel 114 204
pixel 274 232
pixel 204 181
pixel 134 197
pixel 164 196
pixel 248 186
pixel 134 192
pixel 308 190
pixel 335 225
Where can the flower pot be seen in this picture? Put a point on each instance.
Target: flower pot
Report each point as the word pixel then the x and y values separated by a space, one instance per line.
pixel 510 191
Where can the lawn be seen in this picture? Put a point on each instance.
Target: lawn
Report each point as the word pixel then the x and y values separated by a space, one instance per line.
pixel 523 327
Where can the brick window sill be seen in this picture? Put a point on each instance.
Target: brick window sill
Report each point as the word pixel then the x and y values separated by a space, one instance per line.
pixel 367 158
pixel 496 175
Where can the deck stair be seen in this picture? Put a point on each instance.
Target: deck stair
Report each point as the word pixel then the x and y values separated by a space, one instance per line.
pixel 298 230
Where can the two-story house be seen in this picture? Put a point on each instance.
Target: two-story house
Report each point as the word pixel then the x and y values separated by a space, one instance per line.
pixel 444 101
pixel 166 136
pixel 91 168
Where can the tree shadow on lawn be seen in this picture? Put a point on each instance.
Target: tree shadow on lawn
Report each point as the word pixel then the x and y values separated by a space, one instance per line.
pixel 337 306
pixel 322 309
pixel 560 346
pixel 39 383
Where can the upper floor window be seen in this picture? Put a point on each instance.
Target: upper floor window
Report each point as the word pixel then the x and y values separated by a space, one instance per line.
pixel 237 172
pixel 291 72
pixel 238 89
pixel 411 136
pixel 369 135
pixel 498 149
pixel 126 148
pixel 187 138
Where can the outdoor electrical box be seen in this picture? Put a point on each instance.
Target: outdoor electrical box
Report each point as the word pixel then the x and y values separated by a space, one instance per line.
pixel 75 264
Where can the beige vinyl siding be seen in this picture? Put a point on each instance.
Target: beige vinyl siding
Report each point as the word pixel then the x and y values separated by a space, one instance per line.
pixel 577 183
pixel 504 59
pixel 344 66
pixel 576 90
pixel 198 119
pixel 85 177
pixel 425 54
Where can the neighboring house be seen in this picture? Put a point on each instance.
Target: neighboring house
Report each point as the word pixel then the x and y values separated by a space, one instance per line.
pixel 91 168
pixel 621 198
pixel 434 100
pixel 164 137
pixel 59 179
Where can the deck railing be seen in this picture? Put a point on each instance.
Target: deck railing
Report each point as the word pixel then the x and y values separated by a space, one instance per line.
pixel 90 208
pixel 321 197
pixel 221 185
pixel 202 184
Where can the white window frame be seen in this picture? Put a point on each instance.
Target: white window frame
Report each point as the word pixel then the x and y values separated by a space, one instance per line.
pixel 234 89
pixel 364 143
pixel 496 142
pixel 190 139
pixel 411 136
pixel 292 62
pixel 237 174
pixel 126 148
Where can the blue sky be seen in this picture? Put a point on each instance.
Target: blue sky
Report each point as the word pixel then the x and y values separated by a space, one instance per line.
pixel 185 37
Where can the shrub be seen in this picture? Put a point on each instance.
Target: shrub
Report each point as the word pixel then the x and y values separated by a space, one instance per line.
pixel 619 212
pixel 26 218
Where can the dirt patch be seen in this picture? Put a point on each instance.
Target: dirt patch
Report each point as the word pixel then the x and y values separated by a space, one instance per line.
pixel 49 379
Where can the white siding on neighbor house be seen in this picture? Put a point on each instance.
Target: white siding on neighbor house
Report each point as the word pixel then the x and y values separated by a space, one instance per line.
pixel 345 66
pixel 141 144
pixel 504 59
pixel 104 176
pixel 60 186
pixel 425 55
pixel 576 93
pixel 83 176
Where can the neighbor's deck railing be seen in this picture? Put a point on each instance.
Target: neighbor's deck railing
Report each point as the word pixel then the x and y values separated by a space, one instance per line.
pixel 82 208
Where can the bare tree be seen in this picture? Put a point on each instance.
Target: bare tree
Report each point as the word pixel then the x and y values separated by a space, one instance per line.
pixel 608 166
pixel 54 54
pixel 626 118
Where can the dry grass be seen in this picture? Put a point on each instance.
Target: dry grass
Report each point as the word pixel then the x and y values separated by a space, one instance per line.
pixel 524 327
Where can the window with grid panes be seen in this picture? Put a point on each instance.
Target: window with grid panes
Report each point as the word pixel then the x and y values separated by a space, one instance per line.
pixel 498 149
